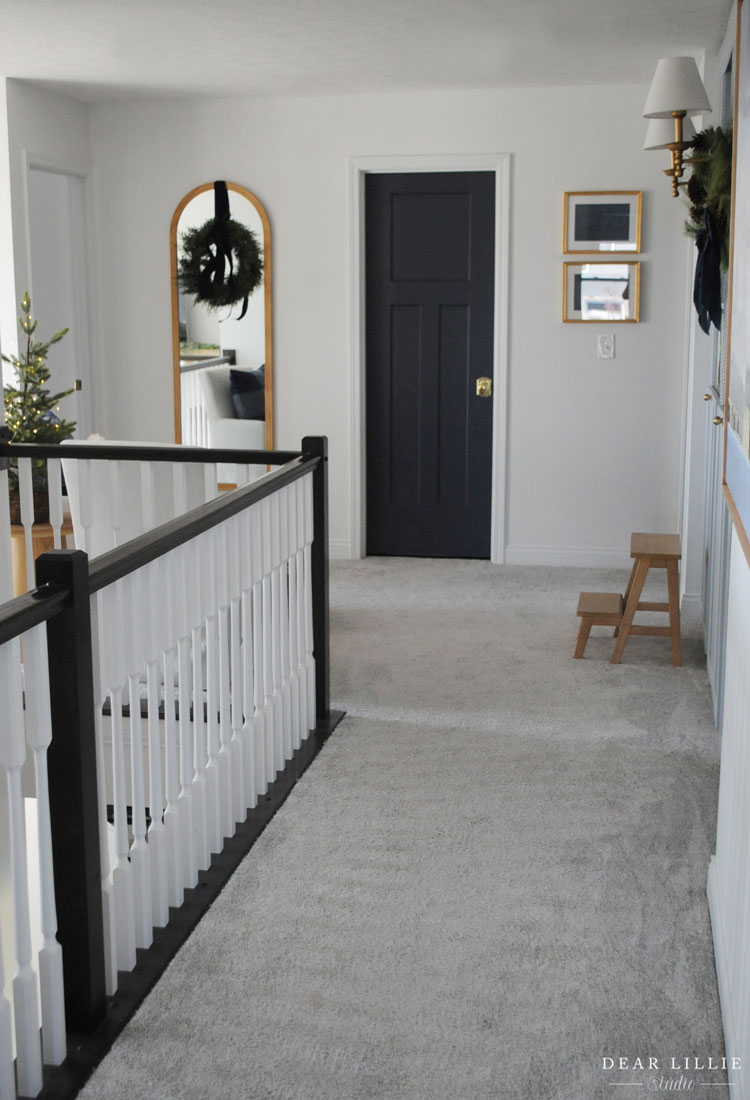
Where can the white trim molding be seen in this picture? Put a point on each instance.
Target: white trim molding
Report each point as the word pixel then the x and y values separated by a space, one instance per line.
pixel 499 163
pixel 589 557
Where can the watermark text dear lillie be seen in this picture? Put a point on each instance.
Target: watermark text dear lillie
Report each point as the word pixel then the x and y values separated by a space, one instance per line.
pixel 685 1073
pixel 689 1064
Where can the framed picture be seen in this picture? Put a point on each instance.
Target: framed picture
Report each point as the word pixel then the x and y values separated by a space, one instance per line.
pixel 737 400
pixel 600 292
pixel 602 221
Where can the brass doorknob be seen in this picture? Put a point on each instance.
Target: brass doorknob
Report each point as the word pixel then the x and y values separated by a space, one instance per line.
pixel 484 387
pixel 718 420
pixel 706 396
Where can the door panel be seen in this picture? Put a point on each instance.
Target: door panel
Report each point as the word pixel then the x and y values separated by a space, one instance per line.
pixel 59 295
pixel 430 317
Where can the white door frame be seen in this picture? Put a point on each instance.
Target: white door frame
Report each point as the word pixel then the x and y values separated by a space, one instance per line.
pixel 499 163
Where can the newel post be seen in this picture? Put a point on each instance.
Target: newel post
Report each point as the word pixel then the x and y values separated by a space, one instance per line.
pixel 74 809
pixel 317 446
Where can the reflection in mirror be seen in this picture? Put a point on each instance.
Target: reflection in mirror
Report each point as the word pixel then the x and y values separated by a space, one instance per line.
pixel 223 360
pixel 601 292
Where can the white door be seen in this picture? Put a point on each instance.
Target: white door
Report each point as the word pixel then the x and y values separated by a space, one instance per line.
pixel 717 522
pixel 59 290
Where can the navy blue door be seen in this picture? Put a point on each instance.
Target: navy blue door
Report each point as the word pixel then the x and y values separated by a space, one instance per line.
pixel 430 261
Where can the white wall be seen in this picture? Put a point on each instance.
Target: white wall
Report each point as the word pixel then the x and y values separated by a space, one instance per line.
pixel 595 448
pixel 729 874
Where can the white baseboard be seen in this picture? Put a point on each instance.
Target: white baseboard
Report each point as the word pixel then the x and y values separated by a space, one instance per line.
pixel 723 971
pixel 591 557
pixel 339 549
pixel 691 604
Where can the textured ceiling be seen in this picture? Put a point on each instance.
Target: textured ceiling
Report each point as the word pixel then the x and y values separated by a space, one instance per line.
pixel 102 49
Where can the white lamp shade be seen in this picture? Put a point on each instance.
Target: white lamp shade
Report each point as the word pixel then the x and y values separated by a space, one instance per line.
pixel 676 86
pixel 660 132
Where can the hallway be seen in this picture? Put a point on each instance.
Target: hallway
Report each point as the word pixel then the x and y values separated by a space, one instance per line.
pixel 491 882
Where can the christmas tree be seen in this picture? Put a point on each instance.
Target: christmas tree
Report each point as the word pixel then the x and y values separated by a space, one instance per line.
pixel 31 410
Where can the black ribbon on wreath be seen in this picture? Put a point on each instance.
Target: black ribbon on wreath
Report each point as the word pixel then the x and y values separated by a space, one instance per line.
pixel 707 286
pixel 218 271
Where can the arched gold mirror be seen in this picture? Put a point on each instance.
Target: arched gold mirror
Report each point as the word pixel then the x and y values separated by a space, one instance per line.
pixel 218 352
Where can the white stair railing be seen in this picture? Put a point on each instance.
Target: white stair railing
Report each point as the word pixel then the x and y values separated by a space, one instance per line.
pixel 226 654
pixel 200 640
pixel 34 1029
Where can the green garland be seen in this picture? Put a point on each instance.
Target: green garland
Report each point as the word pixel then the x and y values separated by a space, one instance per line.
pixel 709 188
pixel 242 255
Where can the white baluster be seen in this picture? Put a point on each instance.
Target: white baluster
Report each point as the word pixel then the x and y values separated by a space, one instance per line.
pixel 157 841
pixel 179 487
pixel 114 473
pixel 39 734
pixel 139 852
pixel 211 552
pixel 237 766
pixel 172 819
pixel 86 502
pixel 185 803
pixel 122 872
pixel 305 672
pixel 276 697
pixel 148 507
pixel 284 669
pixel 240 533
pixel 308 650
pixel 255 550
pixel 193 558
pixel 26 493
pixel 7 1076
pixel 210 480
pixel 6 570
pixel 109 919
pixel 54 492
pixel 225 723
pixel 269 713
pixel 12 756
pixel 248 726
pixel 299 732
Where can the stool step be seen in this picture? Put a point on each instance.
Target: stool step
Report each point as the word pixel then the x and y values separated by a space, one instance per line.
pixel 600 603
pixel 597 609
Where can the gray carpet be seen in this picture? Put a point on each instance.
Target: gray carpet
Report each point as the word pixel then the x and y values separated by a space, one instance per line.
pixel 491 879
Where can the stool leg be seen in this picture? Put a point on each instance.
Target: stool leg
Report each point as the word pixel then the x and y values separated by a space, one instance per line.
pixel 583 635
pixel 640 571
pixel 628 590
pixel 673 588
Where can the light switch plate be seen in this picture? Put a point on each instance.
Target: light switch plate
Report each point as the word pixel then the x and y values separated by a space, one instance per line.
pixel 605 345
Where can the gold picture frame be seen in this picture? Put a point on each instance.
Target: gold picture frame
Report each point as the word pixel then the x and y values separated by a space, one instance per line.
pixel 602 221
pixel 602 292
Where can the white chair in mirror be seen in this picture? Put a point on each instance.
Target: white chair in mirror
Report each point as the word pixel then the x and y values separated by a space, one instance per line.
pixel 210 417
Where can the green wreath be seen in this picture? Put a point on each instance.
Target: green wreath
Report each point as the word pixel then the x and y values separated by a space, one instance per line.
pixel 709 189
pixel 221 263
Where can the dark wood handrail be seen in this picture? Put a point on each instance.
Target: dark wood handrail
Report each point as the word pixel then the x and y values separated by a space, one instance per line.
pixel 32 608
pixel 146 453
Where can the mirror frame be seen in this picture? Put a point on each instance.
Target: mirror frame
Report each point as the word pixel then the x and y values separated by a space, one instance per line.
pixel 267 271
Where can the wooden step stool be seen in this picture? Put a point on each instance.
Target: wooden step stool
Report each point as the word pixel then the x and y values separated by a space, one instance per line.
pixel 597 609
pixel 652 552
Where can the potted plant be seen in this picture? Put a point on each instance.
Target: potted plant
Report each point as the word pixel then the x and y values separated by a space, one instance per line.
pixel 31 410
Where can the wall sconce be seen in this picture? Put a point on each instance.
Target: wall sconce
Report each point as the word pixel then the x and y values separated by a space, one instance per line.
pixel 676 92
